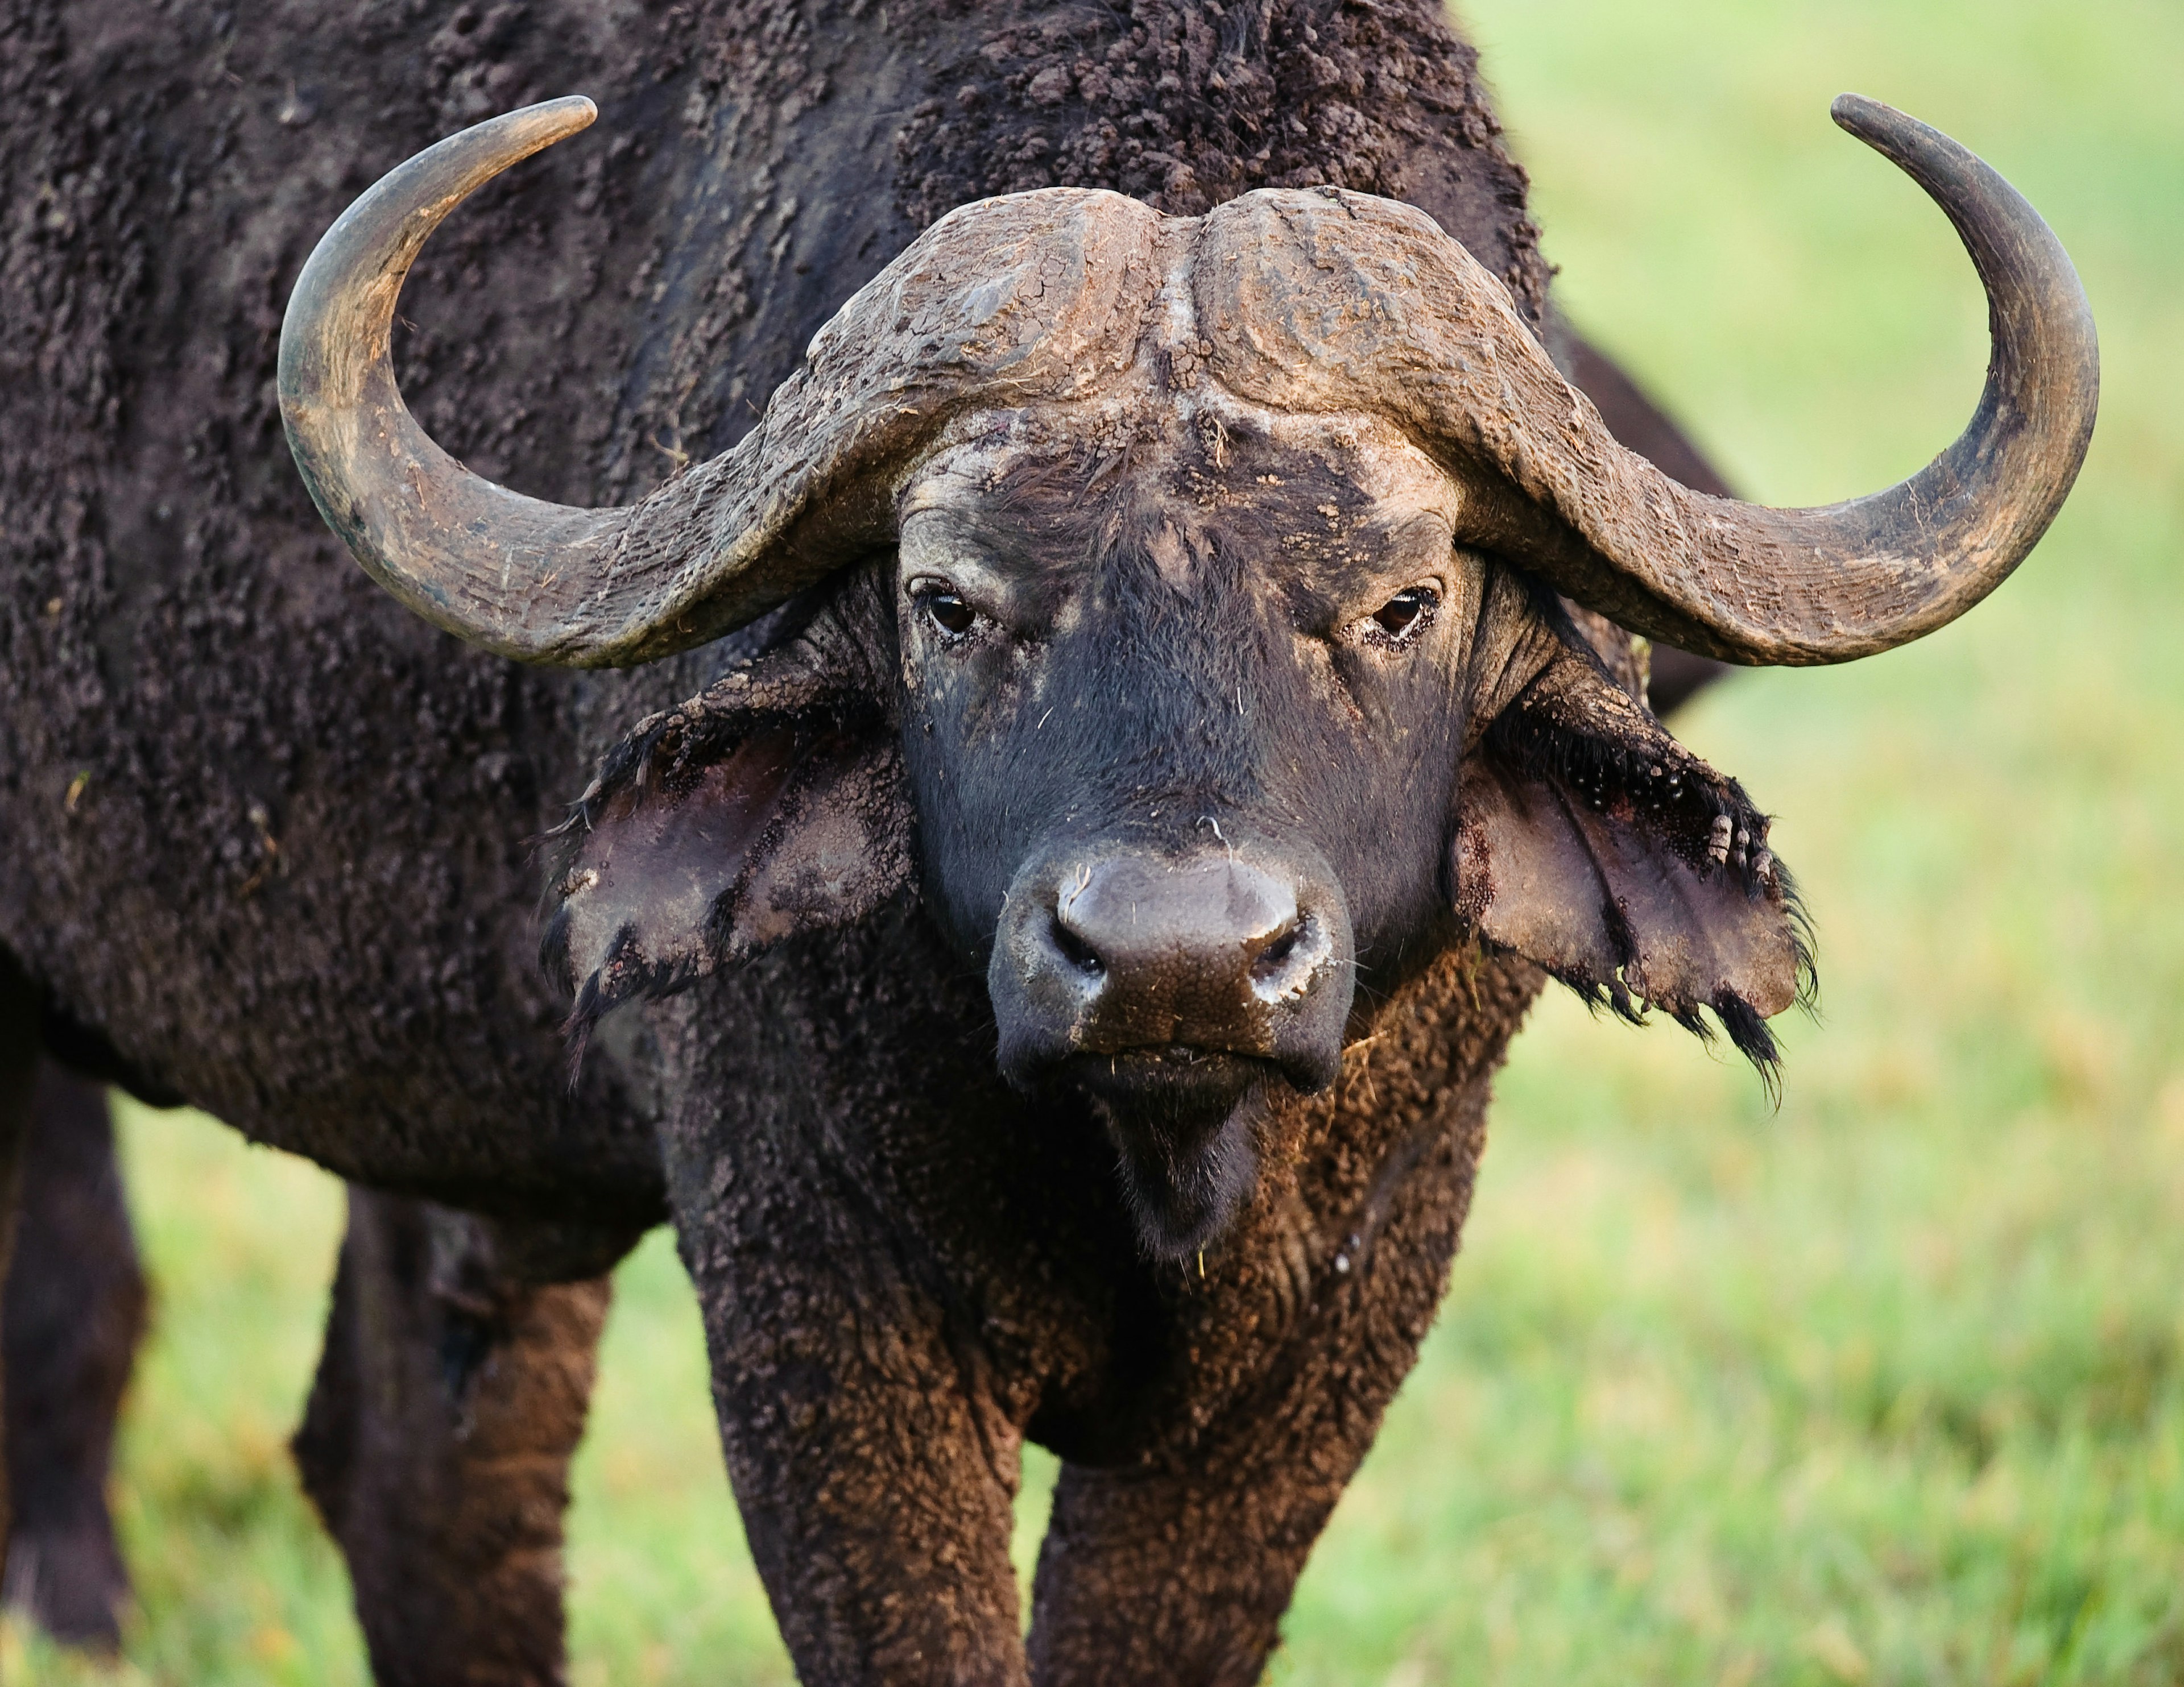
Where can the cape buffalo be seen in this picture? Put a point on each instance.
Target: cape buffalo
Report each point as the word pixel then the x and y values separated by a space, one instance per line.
pixel 73 1307
pixel 1158 703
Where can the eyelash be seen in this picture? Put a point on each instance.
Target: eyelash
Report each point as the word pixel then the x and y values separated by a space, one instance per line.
pixel 941 606
pixel 1416 607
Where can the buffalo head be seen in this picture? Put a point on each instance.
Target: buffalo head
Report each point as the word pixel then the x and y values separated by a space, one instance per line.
pixel 1185 607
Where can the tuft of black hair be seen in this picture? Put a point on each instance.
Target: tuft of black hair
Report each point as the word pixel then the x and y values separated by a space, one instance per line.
pixel 577 1029
pixel 1753 1040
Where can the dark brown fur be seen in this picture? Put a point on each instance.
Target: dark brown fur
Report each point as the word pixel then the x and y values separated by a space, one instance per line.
pixel 1185 107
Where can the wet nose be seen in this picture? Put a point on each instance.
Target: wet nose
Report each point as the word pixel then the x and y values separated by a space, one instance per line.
pixel 1118 951
pixel 1163 935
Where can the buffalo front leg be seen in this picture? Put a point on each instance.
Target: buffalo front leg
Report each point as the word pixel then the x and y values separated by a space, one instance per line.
pixel 1177 1577
pixel 1175 1571
pixel 875 1476
pixel 1174 1578
pixel 449 1399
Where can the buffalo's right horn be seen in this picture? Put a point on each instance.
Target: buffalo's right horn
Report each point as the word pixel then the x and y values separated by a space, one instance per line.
pixel 1015 302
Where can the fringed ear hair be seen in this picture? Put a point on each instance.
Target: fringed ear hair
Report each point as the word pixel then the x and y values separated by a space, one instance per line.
pixel 769 805
pixel 1591 842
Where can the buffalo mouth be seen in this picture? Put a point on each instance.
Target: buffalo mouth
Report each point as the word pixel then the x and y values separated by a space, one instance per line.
pixel 1179 1119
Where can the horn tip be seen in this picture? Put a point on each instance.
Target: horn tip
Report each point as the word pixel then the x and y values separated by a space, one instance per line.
pixel 1860 114
pixel 562 118
pixel 1896 135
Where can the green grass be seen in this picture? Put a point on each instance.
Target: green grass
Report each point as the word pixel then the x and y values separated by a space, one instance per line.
pixel 1886 1387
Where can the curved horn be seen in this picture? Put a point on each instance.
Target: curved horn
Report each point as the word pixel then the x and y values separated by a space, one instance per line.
pixel 468 555
pixel 1431 337
pixel 1005 301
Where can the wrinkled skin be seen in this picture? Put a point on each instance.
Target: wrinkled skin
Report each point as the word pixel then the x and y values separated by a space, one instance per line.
pixel 1188 660
pixel 271 838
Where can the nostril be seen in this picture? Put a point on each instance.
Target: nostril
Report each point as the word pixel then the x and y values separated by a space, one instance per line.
pixel 1283 971
pixel 1275 956
pixel 1074 949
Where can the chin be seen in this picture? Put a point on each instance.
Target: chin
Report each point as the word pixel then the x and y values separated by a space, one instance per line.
pixel 1180 1120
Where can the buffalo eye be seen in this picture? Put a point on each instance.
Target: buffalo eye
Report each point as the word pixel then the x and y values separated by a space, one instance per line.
pixel 947 611
pixel 1406 614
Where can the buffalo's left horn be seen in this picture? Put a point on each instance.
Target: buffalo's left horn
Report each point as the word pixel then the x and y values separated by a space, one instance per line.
pixel 1748 583
pixel 1331 300
pixel 1018 302
pixel 1826 585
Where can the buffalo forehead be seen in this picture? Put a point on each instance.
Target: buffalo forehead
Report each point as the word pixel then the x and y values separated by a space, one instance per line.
pixel 1340 490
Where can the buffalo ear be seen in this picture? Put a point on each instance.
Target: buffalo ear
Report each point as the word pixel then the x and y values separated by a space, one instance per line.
pixel 1590 841
pixel 764 808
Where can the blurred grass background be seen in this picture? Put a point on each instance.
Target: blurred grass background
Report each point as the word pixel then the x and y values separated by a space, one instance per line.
pixel 1887 1387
